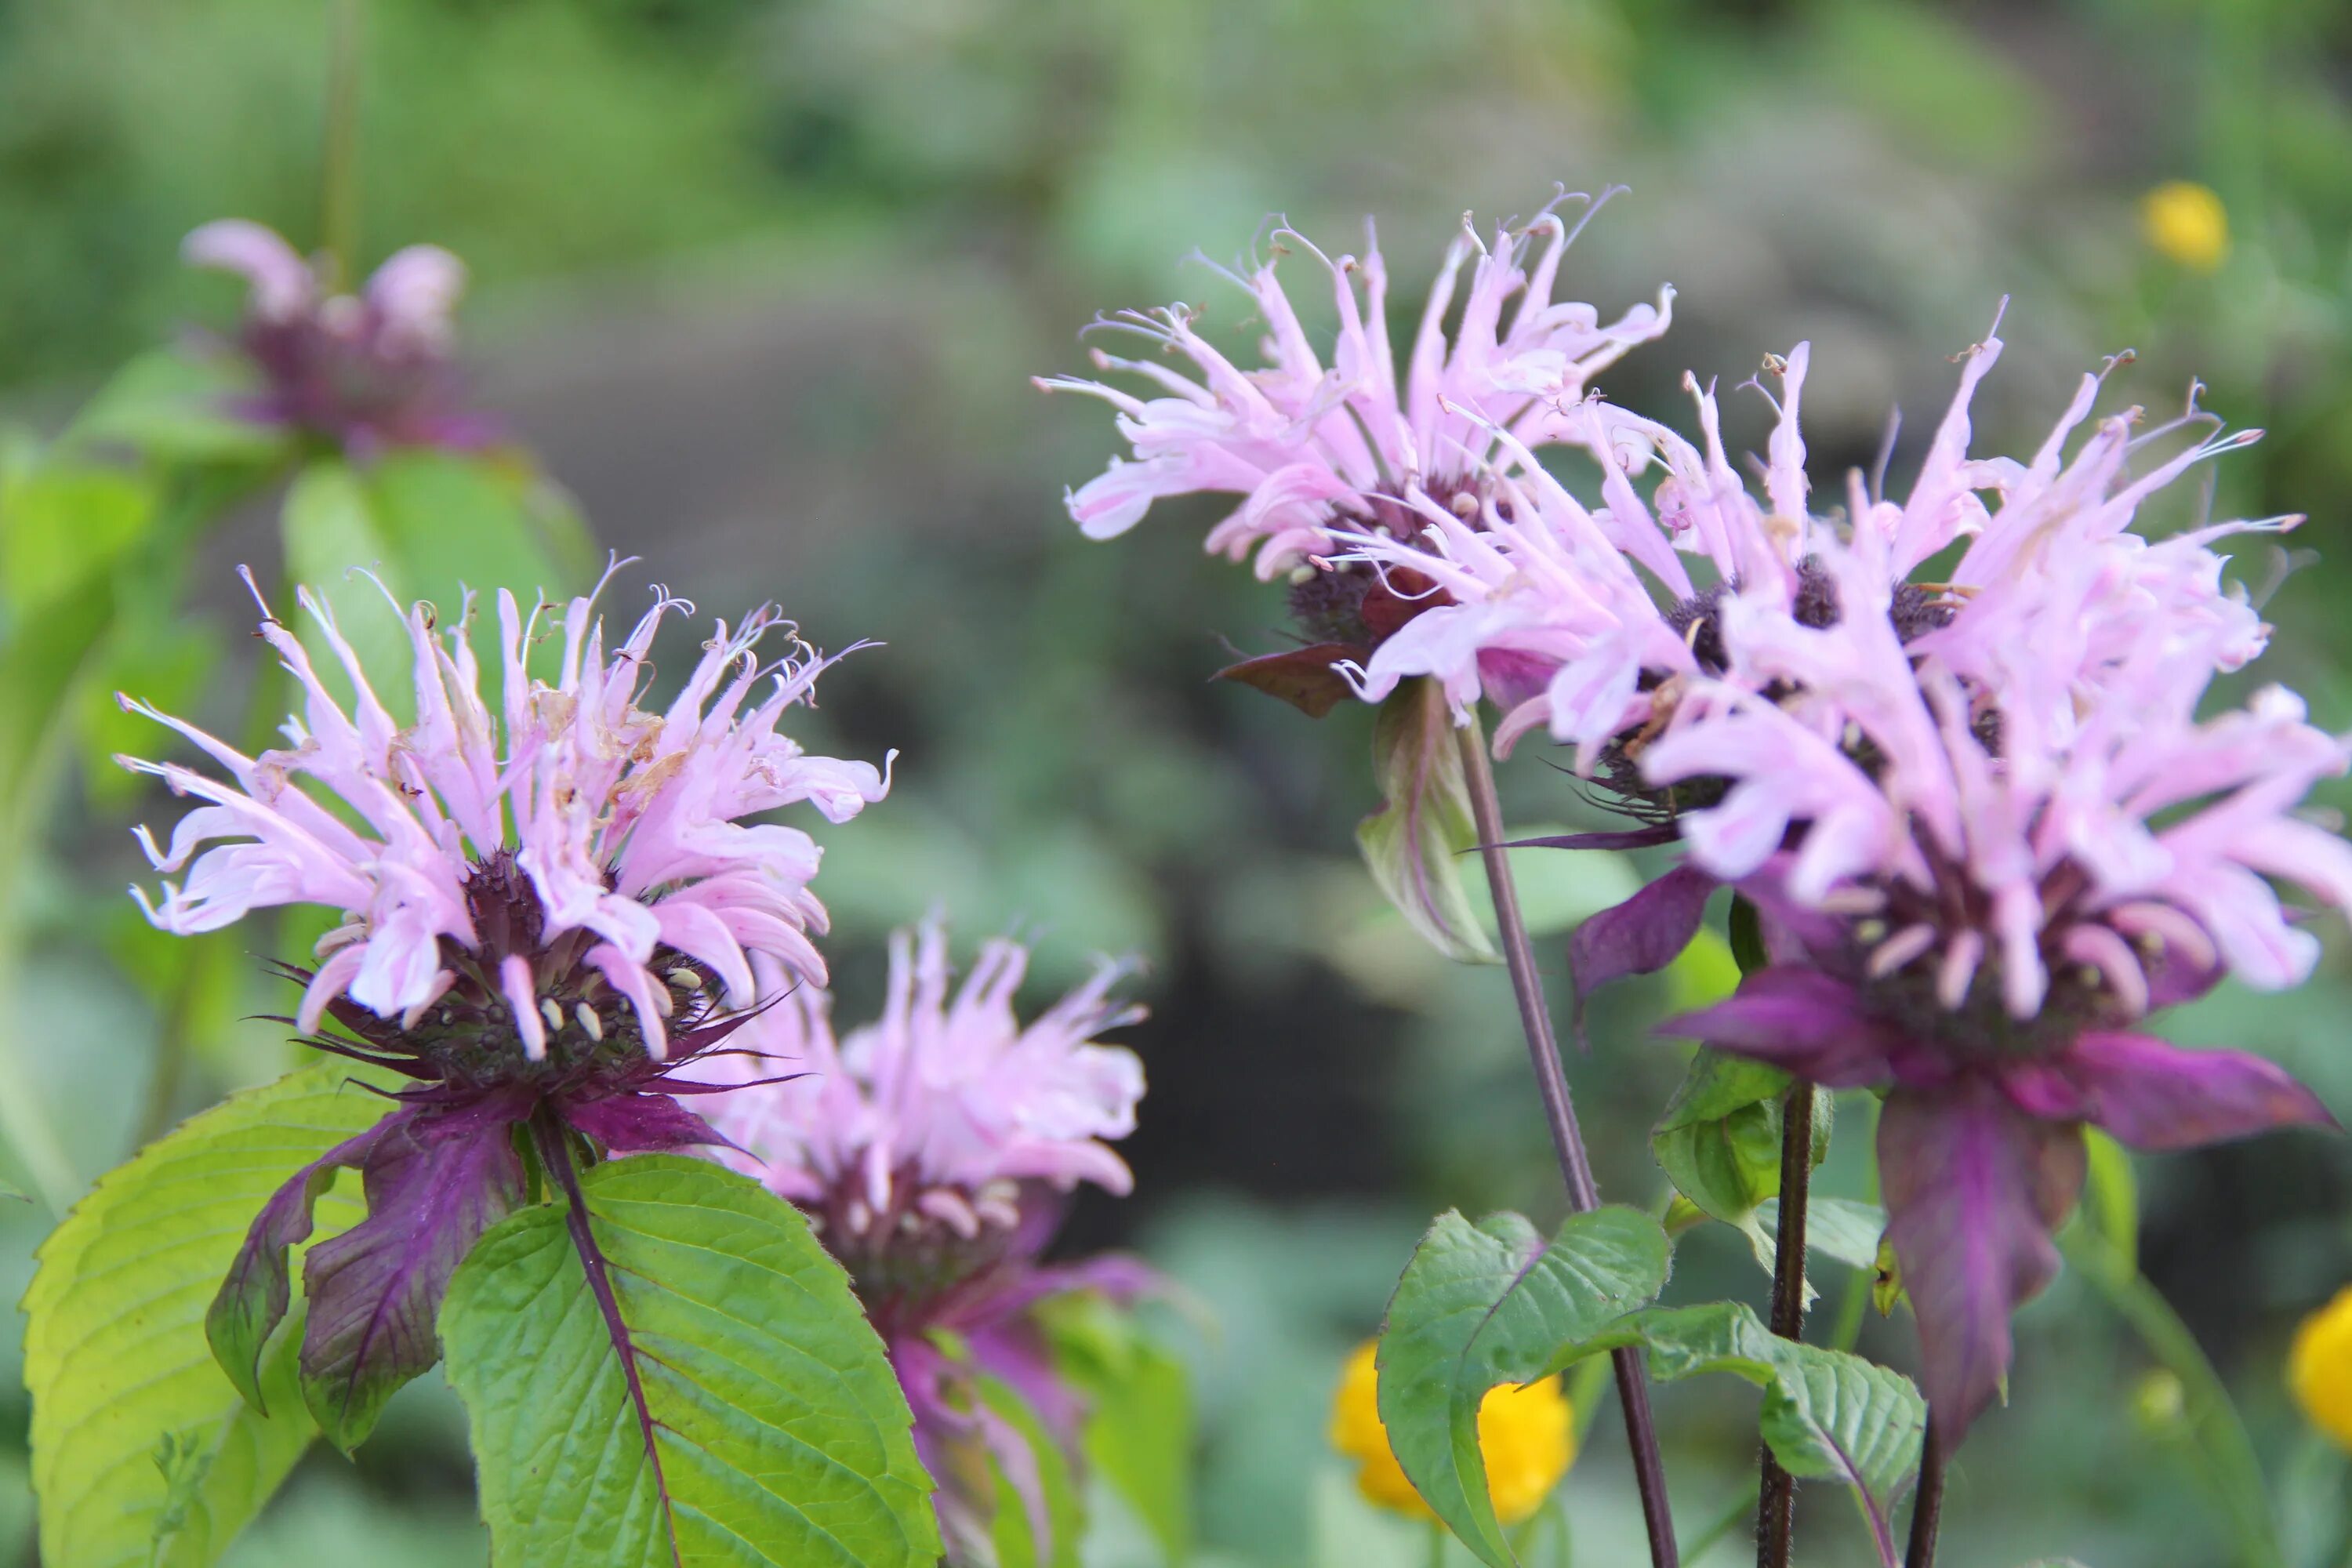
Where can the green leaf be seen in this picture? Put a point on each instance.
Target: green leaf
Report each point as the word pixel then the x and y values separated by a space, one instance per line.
pixel 1138 1429
pixel 1719 1143
pixel 115 1353
pixel 427 525
pixel 1719 1138
pixel 63 525
pixel 1827 1414
pixel 782 1436
pixel 177 407
pixel 1745 932
pixel 1414 843
pixel 2111 1197
pixel 1486 1304
pixel 1048 1489
pixel 1837 1229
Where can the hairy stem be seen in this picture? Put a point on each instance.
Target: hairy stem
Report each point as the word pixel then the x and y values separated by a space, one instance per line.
pixel 554 1147
pixel 1927 1508
pixel 1775 1507
pixel 1560 1114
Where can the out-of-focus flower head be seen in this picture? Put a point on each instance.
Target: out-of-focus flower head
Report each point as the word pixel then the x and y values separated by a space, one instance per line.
pixel 363 372
pixel 933 1150
pixel 1526 1435
pixel 546 910
pixel 2186 223
pixel 2319 1368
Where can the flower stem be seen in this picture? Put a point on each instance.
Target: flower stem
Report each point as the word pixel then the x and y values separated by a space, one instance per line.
pixel 338 196
pixel 1928 1509
pixel 1560 1114
pixel 1776 1506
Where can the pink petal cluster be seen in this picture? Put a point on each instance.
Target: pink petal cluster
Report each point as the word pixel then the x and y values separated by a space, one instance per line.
pixel 628 825
pixel 363 370
pixel 936 1114
pixel 1313 451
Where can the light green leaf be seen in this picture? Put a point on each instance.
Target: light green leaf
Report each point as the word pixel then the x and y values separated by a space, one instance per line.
pixel 2111 1197
pixel 1138 1431
pixel 1837 1229
pixel 177 407
pixel 1719 1138
pixel 1487 1304
pixel 1827 1414
pixel 114 1343
pixel 1046 1487
pixel 1719 1143
pixel 782 1436
pixel 1414 843
pixel 427 525
pixel 63 525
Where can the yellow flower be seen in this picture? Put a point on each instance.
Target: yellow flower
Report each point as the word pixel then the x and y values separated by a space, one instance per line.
pixel 1526 1434
pixel 2319 1368
pixel 2186 222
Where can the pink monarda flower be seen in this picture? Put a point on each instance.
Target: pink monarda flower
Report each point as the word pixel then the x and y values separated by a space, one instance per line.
pixel 1975 893
pixel 546 909
pixel 1320 457
pixel 933 1150
pixel 360 372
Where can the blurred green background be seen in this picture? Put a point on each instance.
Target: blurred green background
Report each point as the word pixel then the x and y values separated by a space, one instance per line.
pixel 761 281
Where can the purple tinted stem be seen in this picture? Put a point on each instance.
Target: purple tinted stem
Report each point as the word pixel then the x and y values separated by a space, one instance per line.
pixel 1559 1113
pixel 1928 1510
pixel 555 1152
pixel 1776 1509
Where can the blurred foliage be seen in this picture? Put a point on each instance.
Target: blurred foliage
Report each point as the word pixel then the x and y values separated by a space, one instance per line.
pixel 870 219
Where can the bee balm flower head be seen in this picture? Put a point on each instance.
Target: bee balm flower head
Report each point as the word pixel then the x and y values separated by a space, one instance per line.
pixel 546 907
pixel 933 1150
pixel 360 372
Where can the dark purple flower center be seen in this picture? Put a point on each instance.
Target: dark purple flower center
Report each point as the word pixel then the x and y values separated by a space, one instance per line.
pixel 929 1241
pixel 470 1039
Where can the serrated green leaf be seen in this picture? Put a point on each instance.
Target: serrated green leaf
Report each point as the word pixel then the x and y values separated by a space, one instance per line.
pixel 1487 1304
pixel 782 1436
pixel 1827 1414
pixel 1415 843
pixel 115 1353
pixel 1137 1435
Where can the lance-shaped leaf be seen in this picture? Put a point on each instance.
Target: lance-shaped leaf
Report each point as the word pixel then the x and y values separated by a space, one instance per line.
pixel 1826 1414
pixel 1414 843
pixel 1486 1304
pixel 1037 1521
pixel 115 1353
pixel 1137 1435
pixel 434 1185
pixel 779 1433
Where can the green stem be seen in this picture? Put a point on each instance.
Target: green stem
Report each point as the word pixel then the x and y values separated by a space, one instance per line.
pixel 2230 1462
pixel 339 195
pixel 1436 1545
